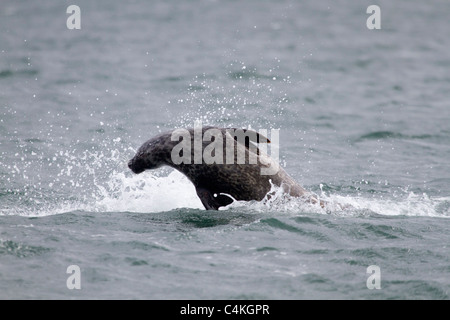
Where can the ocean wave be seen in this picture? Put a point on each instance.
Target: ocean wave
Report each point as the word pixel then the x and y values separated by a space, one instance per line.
pixel 10 247
pixel 383 135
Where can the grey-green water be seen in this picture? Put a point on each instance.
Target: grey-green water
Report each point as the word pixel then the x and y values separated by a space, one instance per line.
pixel 363 117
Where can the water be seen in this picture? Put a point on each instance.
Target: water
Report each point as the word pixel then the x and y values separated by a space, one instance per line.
pixel 363 117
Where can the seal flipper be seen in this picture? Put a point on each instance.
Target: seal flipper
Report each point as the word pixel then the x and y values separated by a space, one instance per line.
pixel 212 201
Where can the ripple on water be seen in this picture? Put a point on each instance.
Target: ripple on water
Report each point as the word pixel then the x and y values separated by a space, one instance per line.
pixel 9 247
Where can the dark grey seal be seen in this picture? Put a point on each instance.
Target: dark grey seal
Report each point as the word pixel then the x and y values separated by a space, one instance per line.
pixel 217 184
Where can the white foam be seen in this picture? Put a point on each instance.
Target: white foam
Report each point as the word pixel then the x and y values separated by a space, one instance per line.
pixel 147 193
pixel 124 192
pixel 410 205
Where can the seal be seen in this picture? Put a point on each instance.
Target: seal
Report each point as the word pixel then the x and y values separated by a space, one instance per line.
pixel 218 183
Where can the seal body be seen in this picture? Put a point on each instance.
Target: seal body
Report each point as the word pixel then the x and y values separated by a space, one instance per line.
pixel 226 178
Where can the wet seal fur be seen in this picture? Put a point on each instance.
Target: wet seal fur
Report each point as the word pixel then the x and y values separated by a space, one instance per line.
pixel 217 185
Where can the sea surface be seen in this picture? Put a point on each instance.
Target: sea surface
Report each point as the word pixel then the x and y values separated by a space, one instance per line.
pixel 364 120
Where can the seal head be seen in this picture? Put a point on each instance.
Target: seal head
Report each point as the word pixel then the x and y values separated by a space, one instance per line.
pixel 151 155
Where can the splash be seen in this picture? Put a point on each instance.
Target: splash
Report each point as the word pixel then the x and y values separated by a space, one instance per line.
pixel 243 97
pixel 89 180
pixel 410 205
pixel 147 193
pixel 278 201
pixel 165 190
